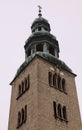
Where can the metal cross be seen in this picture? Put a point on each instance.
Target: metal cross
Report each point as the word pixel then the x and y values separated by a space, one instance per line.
pixel 39 7
pixel 39 11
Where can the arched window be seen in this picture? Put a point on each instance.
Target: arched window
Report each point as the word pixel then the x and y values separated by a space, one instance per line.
pixel 59 111
pixel 63 84
pixel 39 47
pixel 55 111
pixel 23 115
pixel 23 87
pixel 20 90
pixel 50 78
pixel 55 80
pixel 64 113
pixel 19 122
pixel 28 82
pixel 59 82
pixel 25 83
pixel 51 50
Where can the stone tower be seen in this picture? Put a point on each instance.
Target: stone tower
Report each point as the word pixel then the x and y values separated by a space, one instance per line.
pixel 43 90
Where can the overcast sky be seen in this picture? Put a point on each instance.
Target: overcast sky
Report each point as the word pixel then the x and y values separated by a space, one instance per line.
pixel 16 17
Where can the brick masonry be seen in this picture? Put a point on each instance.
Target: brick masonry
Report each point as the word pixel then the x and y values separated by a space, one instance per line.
pixel 39 99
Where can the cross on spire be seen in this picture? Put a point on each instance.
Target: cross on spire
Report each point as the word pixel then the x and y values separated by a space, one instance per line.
pixel 39 11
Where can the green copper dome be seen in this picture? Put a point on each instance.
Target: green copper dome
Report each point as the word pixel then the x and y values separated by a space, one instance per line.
pixel 40 22
pixel 39 19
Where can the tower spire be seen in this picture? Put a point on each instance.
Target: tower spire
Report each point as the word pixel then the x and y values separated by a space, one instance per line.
pixel 40 14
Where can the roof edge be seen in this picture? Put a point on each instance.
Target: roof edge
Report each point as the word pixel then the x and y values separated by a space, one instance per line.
pixel 31 58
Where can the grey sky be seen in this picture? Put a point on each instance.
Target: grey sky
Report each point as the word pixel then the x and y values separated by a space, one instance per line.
pixel 16 16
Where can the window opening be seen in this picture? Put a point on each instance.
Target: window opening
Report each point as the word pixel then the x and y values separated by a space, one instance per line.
pixel 28 83
pixel 59 82
pixel 51 49
pixel 20 90
pixel 63 84
pixel 25 83
pixel 23 115
pixel 46 29
pixel 23 89
pixel 19 120
pixel 59 111
pixel 29 52
pixel 50 78
pixel 64 113
pixel 39 47
pixel 39 28
pixel 55 80
pixel 55 112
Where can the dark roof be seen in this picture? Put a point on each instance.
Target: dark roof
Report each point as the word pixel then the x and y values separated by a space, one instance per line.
pixel 40 19
pixel 48 58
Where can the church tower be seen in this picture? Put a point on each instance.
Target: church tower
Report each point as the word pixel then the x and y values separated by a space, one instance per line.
pixel 43 90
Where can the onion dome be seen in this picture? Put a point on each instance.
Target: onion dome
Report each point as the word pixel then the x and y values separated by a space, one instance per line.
pixel 40 24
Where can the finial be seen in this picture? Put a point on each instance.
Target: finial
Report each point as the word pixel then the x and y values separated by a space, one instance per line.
pixel 39 11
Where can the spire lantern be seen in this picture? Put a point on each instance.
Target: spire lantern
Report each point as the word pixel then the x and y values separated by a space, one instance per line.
pixel 41 40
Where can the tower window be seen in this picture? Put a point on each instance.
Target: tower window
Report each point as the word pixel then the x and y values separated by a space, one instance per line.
pixel 29 52
pixel 60 111
pixel 39 47
pixel 46 29
pixel 50 78
pixel 28 82
pixel 51 50
pixel 63 84
pixel 57 82
pixel 20 90
pixel 39 28
pixel 24 86
pixel 19 122
pixel 22 117
pixel 25 83
pixel 24 114
pixel 64 113
pixel 55 111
